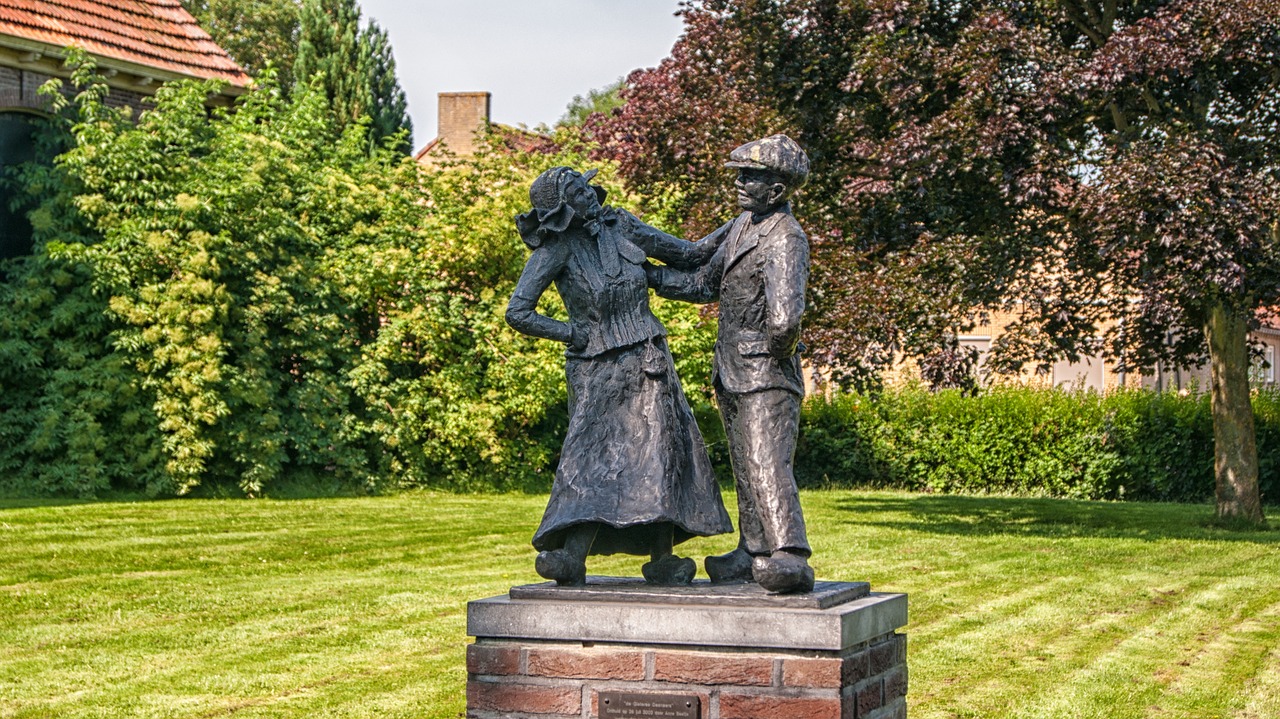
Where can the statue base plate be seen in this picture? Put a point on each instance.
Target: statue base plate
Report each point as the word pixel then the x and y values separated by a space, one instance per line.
pixel 702 592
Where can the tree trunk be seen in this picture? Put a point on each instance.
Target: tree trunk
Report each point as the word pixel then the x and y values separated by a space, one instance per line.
pixel 1235 461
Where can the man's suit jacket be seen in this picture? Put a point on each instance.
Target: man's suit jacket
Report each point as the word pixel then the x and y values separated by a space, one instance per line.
pixel 757 268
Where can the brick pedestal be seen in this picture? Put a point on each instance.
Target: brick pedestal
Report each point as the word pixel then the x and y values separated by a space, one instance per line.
pixel 744 655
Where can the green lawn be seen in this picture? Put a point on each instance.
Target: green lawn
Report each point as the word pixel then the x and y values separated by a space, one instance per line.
pixel 356 607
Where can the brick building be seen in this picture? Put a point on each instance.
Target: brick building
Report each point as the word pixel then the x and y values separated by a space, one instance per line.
pixel 462 117
pixel 138 45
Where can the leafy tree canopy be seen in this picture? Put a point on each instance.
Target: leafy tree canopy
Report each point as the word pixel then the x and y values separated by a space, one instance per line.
pixel 602 100
pixel 955 146
pixel 257 33
pixel 1105 168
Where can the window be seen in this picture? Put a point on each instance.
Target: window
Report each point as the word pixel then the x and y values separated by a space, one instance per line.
pixel 1263 369
pixel 1087 374
pixel 982 345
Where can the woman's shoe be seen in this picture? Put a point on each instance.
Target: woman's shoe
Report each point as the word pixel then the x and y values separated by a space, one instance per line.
pixel 558 564
pixel 670 570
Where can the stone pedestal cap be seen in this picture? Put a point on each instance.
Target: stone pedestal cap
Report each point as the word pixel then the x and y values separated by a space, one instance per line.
pixel 636 619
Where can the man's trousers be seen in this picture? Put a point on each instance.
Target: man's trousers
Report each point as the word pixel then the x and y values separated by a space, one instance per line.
pixel 762 427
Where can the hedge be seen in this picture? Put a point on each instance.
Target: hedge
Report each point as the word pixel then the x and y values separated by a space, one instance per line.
pixel 1131 444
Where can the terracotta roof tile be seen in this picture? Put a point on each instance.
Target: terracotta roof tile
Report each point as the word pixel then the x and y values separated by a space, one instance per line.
pixel 509 138
pixel 155 33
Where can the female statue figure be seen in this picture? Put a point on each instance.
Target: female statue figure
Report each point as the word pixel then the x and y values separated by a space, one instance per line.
pixel 634 476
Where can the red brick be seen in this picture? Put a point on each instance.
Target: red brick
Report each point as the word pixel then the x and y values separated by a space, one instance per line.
pixel 746 706
pixel 870 698
pixel 493 660
pixel 824 673
pixel 724 669
pixel 895 684
pixel 523 698
pixel 601 663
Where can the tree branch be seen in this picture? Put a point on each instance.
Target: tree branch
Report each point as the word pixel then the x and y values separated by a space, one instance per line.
pixel 1262 98
pixel 1091 11
pixel 1149 97
pixel 1093 33
pixel 1118 116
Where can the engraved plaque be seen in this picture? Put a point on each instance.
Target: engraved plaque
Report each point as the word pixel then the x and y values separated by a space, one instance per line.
pixel 616 705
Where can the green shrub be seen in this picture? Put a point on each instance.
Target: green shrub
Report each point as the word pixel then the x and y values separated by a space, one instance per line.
pixel 251 300
pixel 1123 445
pixel 200 282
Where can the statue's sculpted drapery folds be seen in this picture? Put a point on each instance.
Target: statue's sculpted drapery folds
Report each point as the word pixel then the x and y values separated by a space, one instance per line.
pixel 634 476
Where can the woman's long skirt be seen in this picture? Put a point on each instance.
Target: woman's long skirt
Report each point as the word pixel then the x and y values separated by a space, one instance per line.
pixel 633 458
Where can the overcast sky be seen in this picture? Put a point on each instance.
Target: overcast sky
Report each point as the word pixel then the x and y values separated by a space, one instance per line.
pixel 533 55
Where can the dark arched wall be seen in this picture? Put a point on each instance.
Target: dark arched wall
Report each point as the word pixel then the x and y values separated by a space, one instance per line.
pixel 17 145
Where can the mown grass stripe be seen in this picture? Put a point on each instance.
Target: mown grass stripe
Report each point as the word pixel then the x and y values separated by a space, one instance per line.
pixel 1123 680
pixel 1089 622
pixel 1262 690
pixel 1226 653
pixel 355 607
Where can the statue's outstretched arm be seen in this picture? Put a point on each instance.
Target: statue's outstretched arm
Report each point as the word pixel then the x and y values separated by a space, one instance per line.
pixel 700 285
pixel 522 311
pixel 672 250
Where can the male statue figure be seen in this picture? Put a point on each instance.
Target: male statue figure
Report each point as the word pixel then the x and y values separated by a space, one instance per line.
pixel 756 266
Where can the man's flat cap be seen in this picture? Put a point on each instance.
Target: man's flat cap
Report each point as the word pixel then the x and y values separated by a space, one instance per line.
pixel 777 153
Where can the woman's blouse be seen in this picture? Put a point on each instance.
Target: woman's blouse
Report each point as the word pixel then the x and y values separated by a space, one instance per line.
pixel 599 275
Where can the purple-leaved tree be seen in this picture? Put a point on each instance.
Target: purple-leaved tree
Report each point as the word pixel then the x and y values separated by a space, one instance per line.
pixel 1106 169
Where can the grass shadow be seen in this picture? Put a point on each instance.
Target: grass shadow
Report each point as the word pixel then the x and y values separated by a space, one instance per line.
pixel 1043 517
pixel 17 501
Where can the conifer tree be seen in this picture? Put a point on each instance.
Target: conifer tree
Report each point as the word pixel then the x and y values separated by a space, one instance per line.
pixel 388 107
pixel 356 68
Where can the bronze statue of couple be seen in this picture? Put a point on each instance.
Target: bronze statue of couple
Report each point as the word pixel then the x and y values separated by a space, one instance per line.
pixel 634 476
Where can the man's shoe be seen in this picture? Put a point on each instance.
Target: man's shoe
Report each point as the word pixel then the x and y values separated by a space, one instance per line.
pixel 731 568
pixel 670 570
pixel 563 567
pixel 783 573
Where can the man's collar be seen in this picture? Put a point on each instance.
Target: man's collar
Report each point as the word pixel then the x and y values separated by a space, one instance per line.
pixel 757 218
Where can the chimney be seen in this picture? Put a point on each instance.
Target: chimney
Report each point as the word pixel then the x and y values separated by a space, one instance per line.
pixel 462 114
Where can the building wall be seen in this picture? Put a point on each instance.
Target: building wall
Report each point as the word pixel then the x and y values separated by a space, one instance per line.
pixel 1097 374
pixel 21 109
pixel 18 91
